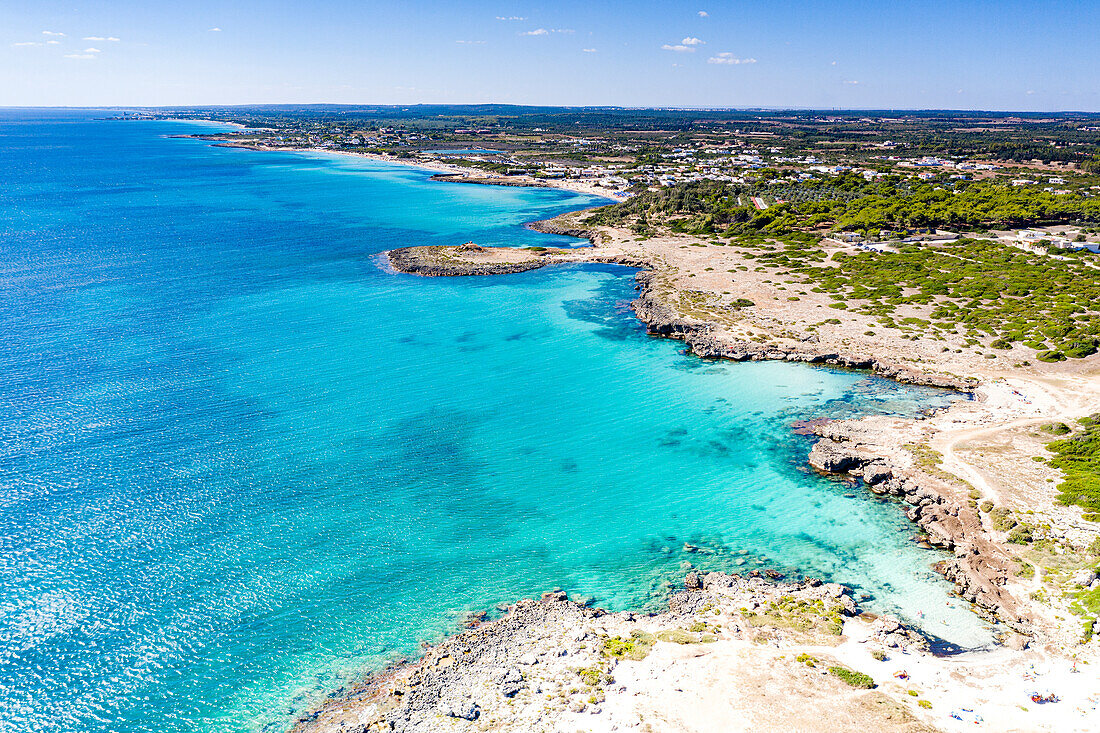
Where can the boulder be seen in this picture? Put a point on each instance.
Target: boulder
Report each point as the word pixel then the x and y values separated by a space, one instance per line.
pixel 831 457
pixel 875 473
pixel 464 709
pixel 1084 577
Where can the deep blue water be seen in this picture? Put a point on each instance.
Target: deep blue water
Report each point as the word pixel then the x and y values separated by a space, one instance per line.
pixel 240 461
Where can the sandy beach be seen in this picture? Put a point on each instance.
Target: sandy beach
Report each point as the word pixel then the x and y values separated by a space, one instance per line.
pixel 437 166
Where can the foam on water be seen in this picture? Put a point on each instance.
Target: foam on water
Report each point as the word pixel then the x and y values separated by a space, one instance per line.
pixel 240 462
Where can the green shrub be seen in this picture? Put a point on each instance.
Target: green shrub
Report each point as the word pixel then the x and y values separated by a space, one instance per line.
pixel 590 676
pixel 852 677
pixel 636 647
pixel 1020 535
pixel 1001 519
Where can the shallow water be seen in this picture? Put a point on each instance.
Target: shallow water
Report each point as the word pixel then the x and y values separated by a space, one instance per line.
pixel 240 461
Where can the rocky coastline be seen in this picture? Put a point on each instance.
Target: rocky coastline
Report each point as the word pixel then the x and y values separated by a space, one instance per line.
pixel 978 567
pixel 555 658
pixel 891 457
pixel 556 226
pixel 703 340
pixel 486 180
pixel 425 261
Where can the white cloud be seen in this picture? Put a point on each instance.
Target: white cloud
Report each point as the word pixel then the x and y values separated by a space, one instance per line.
pixel 678 48
pixel 833 64
pixel 215 29
pixel 853 81
pixel 471 43
pixel 544 32
pixel 53 33
pixel 92 50
pixel 52 43
pixel 691 41
pixel 510 17
pixel 592 50
pixel 1030 91
pixel 729 59
pixel 703 14
pixel 112 39
pixel 80 56
pixel 27 43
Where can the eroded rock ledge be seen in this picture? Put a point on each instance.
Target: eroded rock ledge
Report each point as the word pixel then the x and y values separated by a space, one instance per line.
pixel 979 568
pixel 473 260
pixel 704 340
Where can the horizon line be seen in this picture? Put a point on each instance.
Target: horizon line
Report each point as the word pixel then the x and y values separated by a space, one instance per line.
pixel 625 108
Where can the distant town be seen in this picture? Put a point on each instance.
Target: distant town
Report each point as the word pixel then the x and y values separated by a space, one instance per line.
pixel 765 158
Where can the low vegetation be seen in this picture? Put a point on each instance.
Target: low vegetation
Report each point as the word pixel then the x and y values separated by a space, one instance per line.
pixel 845 202
pixel 799 615
pixel 636 647
pixel 1078 457
pixel 852 677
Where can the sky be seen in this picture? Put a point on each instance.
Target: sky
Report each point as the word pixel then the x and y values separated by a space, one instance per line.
pixel 1027 55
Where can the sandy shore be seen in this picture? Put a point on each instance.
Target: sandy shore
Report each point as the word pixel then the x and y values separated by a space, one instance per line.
pixel 437 166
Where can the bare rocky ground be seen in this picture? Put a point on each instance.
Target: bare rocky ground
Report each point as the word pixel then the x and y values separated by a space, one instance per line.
pixel 725 656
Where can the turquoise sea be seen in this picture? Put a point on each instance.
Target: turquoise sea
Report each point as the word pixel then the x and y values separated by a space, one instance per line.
pixel 240 462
